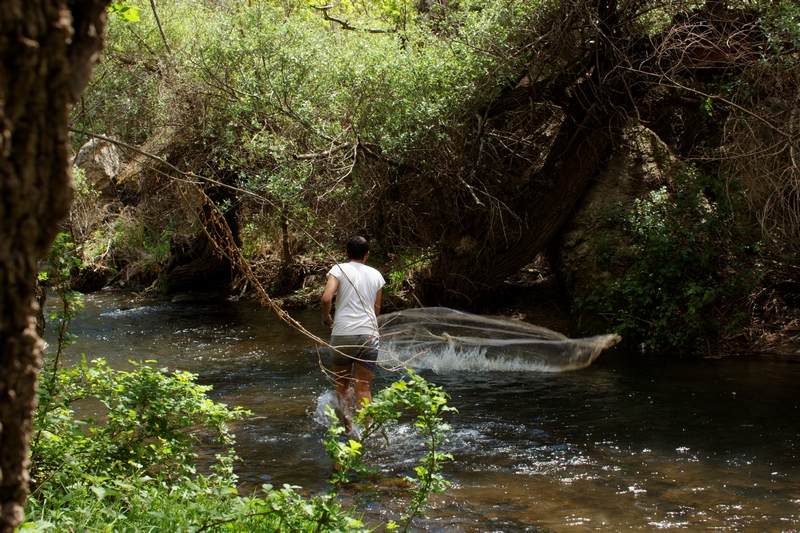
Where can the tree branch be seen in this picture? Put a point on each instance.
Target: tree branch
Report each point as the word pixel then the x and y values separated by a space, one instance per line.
pixel 346 25
pixel 160 29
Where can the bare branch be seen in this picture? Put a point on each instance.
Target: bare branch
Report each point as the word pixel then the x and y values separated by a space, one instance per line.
pixel 345 25
pixel 160 29
pixel 326 153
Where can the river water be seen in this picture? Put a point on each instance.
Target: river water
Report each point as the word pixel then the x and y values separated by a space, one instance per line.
pixel 633 443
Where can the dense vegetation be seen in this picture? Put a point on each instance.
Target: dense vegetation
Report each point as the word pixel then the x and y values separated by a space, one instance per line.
pixel 132 465
pixel 460 137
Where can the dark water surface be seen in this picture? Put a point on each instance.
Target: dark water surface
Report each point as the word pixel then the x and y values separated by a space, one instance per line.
pixel 633 443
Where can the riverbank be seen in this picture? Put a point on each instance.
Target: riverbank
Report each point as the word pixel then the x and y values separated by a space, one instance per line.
pixel 532 295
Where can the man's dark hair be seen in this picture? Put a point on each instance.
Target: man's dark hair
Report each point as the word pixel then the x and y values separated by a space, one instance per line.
pixel 357 247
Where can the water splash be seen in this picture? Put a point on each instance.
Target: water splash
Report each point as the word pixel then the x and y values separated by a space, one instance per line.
pixel 449 358
pixel 320 413
pixel 129 312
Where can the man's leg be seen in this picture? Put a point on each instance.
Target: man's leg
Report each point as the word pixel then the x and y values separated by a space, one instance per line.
pixel 362 383
pixel 341 376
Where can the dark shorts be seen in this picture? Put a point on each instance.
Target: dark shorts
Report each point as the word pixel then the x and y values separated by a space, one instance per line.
pixel 359 349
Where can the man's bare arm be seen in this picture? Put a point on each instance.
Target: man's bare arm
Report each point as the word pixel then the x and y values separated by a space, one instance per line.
pixel 327 300
pixel 378 302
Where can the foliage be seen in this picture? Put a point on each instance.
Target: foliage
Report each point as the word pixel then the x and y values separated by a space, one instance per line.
pixel 62 265
pixel 410 121
pixel 85 214
pixel 427 402
pixel 411 263
pixel 685 273
pixel 111 236
pixel 140 242
pixel 138 236
pixel 126 12
pixel 99 503
pixel 148 427
pixel 345 455
pixel 272 98
pixel 130 466
pixel 254 244
pixel 759 149
pixel 148 411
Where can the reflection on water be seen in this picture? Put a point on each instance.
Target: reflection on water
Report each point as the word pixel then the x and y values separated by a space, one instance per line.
pixel 633 442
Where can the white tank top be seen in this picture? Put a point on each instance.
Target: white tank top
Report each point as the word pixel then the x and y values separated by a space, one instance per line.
pixel 355 299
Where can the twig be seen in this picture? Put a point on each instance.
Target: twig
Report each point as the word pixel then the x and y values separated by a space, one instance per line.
pixel 160 29
pixel 346 25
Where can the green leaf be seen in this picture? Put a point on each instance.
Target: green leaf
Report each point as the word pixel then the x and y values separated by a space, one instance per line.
pixel 126 12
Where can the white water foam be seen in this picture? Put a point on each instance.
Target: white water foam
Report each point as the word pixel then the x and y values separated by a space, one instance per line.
pixel 320 414
pixel 446 359
pixel 124 313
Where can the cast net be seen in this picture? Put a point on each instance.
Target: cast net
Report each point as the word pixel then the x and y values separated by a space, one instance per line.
pixel 445 340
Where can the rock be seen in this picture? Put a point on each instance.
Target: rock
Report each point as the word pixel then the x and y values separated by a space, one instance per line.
pixel 102 162
pixel 642 163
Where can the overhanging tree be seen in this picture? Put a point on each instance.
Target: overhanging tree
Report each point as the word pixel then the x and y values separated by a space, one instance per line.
pixel 520 186
pixel 594 68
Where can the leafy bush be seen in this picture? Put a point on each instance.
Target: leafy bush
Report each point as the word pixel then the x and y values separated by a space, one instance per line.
pixel 685 276
pixel 272 98
pixel 147 427
pixel 131 506
pixel 407 265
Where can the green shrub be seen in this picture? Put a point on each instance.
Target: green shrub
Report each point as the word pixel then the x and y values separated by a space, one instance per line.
pixel 98 504
pixel 147 426
pixel 408 265
pixel 686 279
pixel 247 87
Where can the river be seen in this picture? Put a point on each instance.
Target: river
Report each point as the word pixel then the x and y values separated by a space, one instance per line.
pixel 635 442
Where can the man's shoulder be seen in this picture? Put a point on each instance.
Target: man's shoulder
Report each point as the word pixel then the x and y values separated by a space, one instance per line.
pixel 353 268
pixel 375 272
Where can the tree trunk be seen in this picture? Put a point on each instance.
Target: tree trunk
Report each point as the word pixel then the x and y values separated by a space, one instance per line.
pixel 48 48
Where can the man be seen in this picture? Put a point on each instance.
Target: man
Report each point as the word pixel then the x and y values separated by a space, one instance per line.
pixel 355 329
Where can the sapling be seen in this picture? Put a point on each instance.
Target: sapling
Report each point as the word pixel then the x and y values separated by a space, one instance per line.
pixel 427 402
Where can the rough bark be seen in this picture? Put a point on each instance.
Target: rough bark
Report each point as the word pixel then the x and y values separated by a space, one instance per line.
pixel 47 50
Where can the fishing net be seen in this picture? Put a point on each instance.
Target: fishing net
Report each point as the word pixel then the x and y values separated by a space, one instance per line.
pixel 445 340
